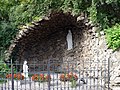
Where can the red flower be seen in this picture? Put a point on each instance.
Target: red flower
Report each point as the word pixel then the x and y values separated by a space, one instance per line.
pixel 75 77
pixel 9 76
pixel 35 77
pixel 70 73
pixel 63 78
pixel 19 76
pixel 41 77
pixel 15 76
pixel 48 77
pixel 68 77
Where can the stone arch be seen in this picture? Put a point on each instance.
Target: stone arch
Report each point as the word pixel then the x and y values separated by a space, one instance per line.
pixel 46 38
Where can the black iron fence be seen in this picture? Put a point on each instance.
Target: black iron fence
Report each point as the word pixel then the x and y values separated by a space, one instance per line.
pixel 86 75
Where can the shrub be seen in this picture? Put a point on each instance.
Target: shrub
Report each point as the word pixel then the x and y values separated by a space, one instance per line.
pixel 113 37
pixel 4 69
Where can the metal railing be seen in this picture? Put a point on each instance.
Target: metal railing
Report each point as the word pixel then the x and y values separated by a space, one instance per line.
pixel 58 76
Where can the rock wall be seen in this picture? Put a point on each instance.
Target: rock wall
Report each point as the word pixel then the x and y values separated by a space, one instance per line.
pixel 90 54
pixel 52 47
pixel 95 50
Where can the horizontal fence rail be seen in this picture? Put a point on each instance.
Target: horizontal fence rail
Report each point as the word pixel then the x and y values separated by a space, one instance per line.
pixel 56 76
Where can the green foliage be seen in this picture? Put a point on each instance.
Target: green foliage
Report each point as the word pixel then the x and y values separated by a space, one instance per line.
pixel 93 13
pixel 15 13
pixel 104 12
pixel 113 37
pixel 4 69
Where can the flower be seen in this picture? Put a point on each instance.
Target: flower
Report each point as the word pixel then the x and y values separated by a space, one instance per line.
pixel 9 76
pixel 68 77
pixel 15 76
pixel 35 77
pixel 19 76
pixel 63 77
pixel 41 77
pixel 47 77
pixel 70 73
pixel 73 77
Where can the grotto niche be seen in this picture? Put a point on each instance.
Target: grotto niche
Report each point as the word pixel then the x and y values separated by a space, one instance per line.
pixel 44 42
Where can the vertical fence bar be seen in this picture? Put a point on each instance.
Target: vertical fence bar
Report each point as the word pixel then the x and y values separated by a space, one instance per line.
pixel 48 68
pixel 109 73
pixel 12 72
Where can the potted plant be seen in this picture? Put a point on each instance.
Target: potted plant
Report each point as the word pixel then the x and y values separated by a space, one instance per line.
pixel 73 79
pixel 69 77
pixel 41 77
pixel 15 76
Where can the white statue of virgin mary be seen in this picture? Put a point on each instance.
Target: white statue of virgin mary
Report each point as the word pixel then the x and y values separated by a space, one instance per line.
pixel 25 69
pixel 69 40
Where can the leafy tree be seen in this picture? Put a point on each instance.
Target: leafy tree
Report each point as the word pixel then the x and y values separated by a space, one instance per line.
pixel 14 13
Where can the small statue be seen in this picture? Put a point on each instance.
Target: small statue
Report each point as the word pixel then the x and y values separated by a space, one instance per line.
pixel 69 40
pixel 25 69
